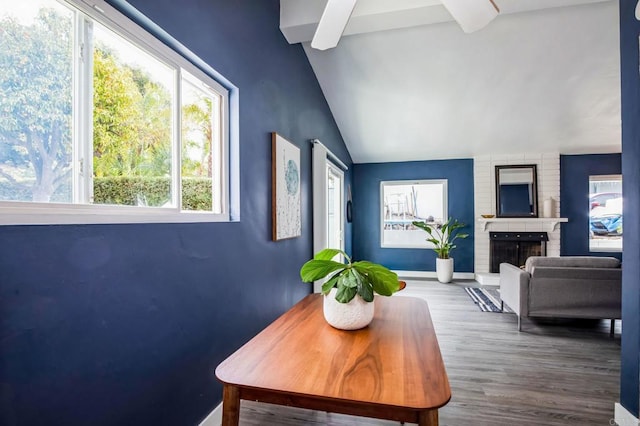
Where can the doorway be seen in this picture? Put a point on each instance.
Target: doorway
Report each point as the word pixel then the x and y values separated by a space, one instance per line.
pixel 328 202
pixel 334 212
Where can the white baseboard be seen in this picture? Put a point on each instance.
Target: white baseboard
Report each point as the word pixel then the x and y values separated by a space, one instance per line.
pixel 624 417
pixel 432 274
pixel 214 418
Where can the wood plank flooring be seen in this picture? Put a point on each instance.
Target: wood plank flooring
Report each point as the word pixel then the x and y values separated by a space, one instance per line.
pixel 552 373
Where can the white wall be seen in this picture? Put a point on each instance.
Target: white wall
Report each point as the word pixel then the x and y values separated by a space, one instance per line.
pixel 548 168
pixel 540 81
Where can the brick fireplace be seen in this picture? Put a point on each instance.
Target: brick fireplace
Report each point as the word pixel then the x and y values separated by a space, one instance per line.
pixel 548 165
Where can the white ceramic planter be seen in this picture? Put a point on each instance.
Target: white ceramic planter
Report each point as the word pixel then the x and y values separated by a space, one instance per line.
pixel 347 316
pixel 444 270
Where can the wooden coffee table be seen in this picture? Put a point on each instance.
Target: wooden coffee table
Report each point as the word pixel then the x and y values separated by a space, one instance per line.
pixel 390 370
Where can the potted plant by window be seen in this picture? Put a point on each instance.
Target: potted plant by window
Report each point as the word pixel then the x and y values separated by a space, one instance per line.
pixel 442 237
pixel 350 287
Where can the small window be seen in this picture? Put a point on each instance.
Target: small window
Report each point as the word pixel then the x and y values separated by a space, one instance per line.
pixel 201 146
pixel 403 202
pixel 105 123
pixel 605 213
pixel 133 98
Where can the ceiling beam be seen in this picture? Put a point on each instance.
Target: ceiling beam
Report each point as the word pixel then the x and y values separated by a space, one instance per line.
pixel 334 19
pixel 299 18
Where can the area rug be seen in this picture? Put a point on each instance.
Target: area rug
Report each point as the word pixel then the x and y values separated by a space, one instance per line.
pixel 488 300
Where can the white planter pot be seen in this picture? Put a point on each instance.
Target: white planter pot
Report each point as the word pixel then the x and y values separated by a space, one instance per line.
pixel 444 270
pixel 347 316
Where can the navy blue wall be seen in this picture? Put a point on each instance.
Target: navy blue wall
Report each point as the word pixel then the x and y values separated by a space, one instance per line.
pixel 125 324
pixel 574 195
pixel 366 211
pixel 629 30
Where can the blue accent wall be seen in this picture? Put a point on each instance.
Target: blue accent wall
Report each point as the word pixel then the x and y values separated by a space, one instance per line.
pixel 630 351
pixel 366 211
pixel 574 195
pixel 125 324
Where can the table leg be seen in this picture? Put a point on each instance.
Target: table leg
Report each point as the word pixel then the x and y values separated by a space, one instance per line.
pixel 428 418
pixel 230 405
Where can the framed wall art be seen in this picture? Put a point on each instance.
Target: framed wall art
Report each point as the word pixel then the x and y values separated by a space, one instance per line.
pixel 285 188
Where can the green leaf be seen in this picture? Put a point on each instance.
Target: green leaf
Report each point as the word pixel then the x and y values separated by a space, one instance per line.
pixel 434 241
pixel 347 279
pixel 422 226
pixel 358 277
pixel 345 294
pixel 384 281
pixel 316 269
pixel 327 286
pixel 444 227
pixel 328 254
pixel 365 290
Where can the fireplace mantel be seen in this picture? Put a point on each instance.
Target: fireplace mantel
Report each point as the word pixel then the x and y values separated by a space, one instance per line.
pixel 553 222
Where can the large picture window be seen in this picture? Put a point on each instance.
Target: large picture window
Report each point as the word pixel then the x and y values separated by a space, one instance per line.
pixel 605 213
pixel 101 118
pixel 403 202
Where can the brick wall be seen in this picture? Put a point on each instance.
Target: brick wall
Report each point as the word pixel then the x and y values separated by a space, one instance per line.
pixel 548 168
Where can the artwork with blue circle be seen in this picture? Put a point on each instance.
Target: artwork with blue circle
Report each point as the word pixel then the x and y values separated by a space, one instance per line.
pixel 286 215
pixel 292 178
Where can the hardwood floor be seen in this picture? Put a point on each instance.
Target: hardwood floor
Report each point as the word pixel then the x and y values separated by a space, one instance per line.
pixel 551 373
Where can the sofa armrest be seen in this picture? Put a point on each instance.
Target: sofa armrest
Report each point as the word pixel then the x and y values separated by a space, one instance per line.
pixel 514 288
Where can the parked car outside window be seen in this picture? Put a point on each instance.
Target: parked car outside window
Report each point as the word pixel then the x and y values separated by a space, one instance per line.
pixel 605 217
pixel 600 200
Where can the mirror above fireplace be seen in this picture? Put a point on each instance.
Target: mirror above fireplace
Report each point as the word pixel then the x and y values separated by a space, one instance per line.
pixel 516 191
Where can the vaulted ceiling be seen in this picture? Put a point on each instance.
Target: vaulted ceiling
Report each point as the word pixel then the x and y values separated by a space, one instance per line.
pixel 406 83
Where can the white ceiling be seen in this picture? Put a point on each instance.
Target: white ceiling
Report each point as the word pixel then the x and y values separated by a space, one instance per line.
pixel 408 84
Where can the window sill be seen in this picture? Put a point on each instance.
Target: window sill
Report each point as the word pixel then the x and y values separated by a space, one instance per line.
pixel 68 214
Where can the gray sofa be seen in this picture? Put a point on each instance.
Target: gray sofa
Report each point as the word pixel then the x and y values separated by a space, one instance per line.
pixel 563 287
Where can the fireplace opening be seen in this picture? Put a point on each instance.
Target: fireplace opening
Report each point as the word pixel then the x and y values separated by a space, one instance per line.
pixel 515 247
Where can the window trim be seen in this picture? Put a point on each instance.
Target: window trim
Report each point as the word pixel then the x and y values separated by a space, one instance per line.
pixel 140 31
pixel 593 249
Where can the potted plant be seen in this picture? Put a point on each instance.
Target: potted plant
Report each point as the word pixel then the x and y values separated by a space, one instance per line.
pixel 443 237
pixel 350 287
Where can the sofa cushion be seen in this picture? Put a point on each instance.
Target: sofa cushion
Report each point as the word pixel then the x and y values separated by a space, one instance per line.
pixel 571 262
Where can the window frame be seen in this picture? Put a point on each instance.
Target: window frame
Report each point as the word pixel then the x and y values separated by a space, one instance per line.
pixel 421 242
pixel 603 249
pixel 172 54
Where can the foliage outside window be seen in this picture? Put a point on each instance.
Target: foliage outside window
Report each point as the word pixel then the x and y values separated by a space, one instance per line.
pixel 605 213
pixel 403 202
pixel 96 116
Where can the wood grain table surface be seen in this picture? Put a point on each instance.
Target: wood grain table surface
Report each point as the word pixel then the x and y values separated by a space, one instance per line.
pixel 390 370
